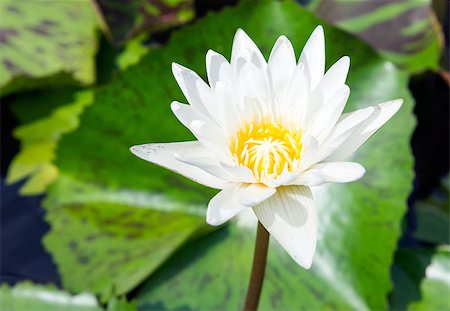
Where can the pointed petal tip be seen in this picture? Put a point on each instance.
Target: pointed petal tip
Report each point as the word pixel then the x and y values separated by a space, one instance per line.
pixel 302 262
pixel 346 60
pixel 177 69
pixel 346 89
pixel 137 150
pixel 396 103
pixel 212 222
pixel 132 149
pixel 214 217
pixel 283 39
pixel 175 106
pixel 240 32
pixel 363 171
pixel 241 36
pixel 210 53
pixel 319 30
pixel 389 108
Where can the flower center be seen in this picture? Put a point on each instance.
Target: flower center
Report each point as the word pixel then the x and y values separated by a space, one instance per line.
pixel 267 148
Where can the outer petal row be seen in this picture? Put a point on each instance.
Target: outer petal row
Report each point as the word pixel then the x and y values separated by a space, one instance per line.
pixel 288 213
pixel 290 217
pixel 326 172
pixel 233 198
pixel 163 155
pixel 380 115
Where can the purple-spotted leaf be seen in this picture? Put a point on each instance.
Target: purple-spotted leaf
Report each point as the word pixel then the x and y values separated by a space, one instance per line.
pixel 107 241
pixel 46 43
pixel 406 32
pixel 125 20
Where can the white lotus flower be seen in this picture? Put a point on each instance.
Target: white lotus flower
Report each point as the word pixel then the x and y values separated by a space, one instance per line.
pixel 266 132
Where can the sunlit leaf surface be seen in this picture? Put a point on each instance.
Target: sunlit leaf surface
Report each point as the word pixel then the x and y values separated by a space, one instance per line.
pixel 46 43
pixel 406 32
pixel 359 222
pixel 39 140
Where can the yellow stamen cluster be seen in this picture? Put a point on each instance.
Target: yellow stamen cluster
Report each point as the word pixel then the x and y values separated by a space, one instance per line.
pixel 267 148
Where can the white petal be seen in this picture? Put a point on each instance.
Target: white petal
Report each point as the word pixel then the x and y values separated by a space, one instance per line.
pixel 310 152
pixel 382 113
pixel 325 119
pixel 330 172
pixel 245 50
pixel 214 140
pixel 163 155
pixel 207 162
pixel 329 85
pixel 206 131
pixel 218 68
pixel 335 77
pixel 186 114
pixel 290 217
pixel 313 56
pixel 241 173
pixel 297 97
pixel 254 83
pixel 197 92
pixel 227 107
pixel 282 65
pixel 347 124
pixel 233 198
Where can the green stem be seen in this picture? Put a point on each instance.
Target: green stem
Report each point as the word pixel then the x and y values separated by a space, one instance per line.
pixel 258 269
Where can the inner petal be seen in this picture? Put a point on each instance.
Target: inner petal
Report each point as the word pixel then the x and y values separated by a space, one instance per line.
pixel 267 148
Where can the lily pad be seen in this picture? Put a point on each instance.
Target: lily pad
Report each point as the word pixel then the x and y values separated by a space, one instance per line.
pixel 123 21
pixel 28 296
pixel 359 223
pixel 406 32
pixel 39 140
pixel 133 51
pixel 422 279
pixel 435 288
pixel 108 245
pixel 46 44
pixel 433 219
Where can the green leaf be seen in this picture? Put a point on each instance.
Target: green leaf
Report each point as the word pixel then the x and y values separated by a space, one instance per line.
pixel 422 279
pixel 29 297
pixel 104 244
pixel 46 44
pixel 359 222
pixel 405 32
pixel 123 21
pixel 121 304
pixel 133 51
pixel 435 288
pixel 38 142
pixel 31 106
pixel 432 214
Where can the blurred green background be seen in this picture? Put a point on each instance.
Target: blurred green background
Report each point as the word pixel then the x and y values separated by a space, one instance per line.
pixel 85 225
